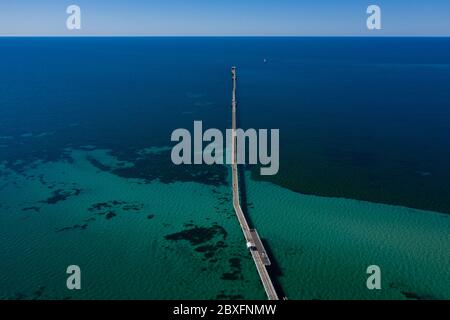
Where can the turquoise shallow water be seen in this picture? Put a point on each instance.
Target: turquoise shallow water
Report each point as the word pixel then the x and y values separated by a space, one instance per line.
pixel 126 256
pixel 322 246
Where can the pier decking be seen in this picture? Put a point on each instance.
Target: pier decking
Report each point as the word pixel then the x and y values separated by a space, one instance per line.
pixel 254 243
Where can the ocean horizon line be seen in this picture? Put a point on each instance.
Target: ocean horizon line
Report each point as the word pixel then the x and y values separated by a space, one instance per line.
pixel 225 36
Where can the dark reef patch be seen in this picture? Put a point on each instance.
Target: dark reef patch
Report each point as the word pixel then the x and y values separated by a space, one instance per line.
pixel 98 164
pixel 159 166
pixel 24 156
pixel 36 295
pixel 18 296
pixel 209 250
pixel 223 207
pixel 416 296
pixel 132 207
pixel 39 292
pixel 72 228
pixel 61 195
pixel 223 296
pixel 235 272
pixel 235 263
pixel 110 209
pixel 35 209
pixel 100 206
pixel 110 215
pixel 150 216
pixel 204 239
pixel 198 235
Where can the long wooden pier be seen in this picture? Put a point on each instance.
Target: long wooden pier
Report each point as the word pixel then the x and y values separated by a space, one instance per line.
pixel 254 243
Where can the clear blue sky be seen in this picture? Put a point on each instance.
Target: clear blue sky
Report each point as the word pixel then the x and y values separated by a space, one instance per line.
pixel 225 17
